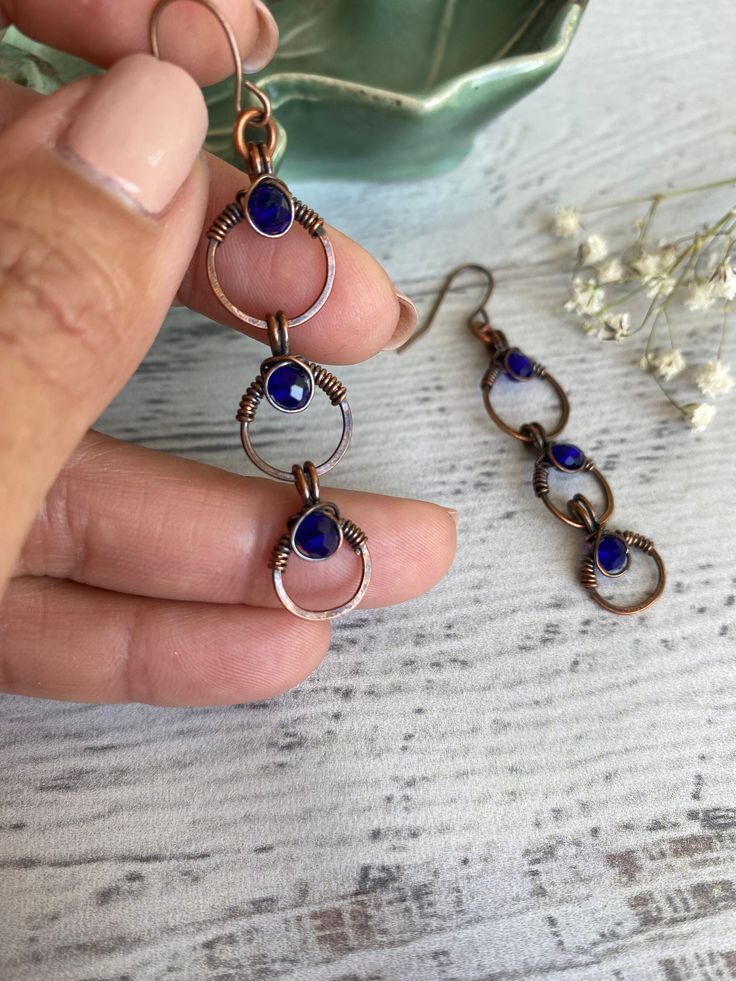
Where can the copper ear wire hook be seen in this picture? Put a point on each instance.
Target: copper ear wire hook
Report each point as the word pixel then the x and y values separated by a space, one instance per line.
pixel 478 320
pixel 265 113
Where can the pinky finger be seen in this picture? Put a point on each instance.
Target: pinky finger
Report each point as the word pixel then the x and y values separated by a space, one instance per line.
pixel 62 640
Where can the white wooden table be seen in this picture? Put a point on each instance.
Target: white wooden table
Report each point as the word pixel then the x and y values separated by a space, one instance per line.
pixel 497 781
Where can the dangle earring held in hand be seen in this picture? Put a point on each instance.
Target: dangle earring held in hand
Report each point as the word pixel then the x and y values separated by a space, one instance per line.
pixel 288 382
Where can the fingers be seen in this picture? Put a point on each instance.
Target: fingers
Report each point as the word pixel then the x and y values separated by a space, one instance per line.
pixel 97 233
pixel 132 520
pixel 102 32
pixel 361 315
pixel 14 101
pixel 62 640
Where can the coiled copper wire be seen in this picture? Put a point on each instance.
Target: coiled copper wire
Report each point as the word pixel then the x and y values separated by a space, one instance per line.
pixel 353 535
pixel 329 383
pixel 588 577
pixel 633 538
pixel 491 376
pixel 280 554
pixel 308 218
pixel 230 216
pixel 540 481
pixel 251 400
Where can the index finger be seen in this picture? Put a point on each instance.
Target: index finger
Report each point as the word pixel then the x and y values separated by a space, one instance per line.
pixel 102 32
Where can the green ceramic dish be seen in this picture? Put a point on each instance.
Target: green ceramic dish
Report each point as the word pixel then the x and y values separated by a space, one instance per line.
pixel 378 88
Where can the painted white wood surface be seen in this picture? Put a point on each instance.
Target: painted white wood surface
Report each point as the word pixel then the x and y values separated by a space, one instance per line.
pixel 496 781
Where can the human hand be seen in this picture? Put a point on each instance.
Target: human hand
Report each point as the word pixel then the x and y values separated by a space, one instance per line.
pixel 135 575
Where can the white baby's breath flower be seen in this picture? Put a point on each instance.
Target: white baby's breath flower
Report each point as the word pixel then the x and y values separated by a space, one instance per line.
pixel 723 282
pixel 660 285
pixel 586 298
pixel 647 265
pixel 593 250
pixel 714 378
pixel 647 361
pixel 699 296
pixel 667 256
pixel 611 271
pixel 614 327
pixel 669 364
pixel 650 266
pixel 591 326
pixel 566 223
pixel 699 414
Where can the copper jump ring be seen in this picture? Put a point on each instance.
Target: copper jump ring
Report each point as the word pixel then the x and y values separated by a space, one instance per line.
pixel 254 117
pixel 583 511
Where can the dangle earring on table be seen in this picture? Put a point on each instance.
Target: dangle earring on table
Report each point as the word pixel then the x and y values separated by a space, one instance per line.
pixel 288 382
pixel 606 552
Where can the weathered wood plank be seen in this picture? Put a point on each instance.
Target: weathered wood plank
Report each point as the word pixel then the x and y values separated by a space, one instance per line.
pixel 497 781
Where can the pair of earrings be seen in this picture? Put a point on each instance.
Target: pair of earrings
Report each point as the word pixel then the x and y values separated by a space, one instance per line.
pixel 288 382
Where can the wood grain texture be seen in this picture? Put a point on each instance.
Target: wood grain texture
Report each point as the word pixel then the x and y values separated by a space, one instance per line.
pixel 497 781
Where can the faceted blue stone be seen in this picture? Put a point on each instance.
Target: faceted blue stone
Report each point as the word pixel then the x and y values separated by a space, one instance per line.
pixel 519 364
pixel 569 456
pixel 317 535
pixel 269 208
pixel 612 554
pixel 289 386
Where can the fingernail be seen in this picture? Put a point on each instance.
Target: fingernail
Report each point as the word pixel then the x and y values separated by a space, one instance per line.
pixel 454 513
pixel 267 39
pixel 140 130
pixel 406 325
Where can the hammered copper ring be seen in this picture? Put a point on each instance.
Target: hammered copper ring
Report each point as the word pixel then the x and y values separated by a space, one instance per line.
pixel 217 289
pixel 338 611
pixel 541 488
pixel 589 579
pixel 490 378
pixel 330 463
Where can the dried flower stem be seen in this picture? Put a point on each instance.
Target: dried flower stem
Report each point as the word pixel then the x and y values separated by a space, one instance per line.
pixel 663 195
pixel 694 271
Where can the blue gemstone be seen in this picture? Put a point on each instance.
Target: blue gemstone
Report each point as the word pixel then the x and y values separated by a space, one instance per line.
pixel 317 535
pixel 519 366
pixel 612 554
pixel 567 455
pixel 269 208
pixel 289 386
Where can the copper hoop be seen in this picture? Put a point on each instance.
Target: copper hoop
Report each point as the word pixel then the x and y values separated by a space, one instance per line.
pixel 589 578
pixel 214 244
pixel 337 611
pixel 489 380
pixel 542 469
pixel 329 464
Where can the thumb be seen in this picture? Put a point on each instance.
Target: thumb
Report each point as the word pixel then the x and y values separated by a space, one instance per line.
pixel 102 201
